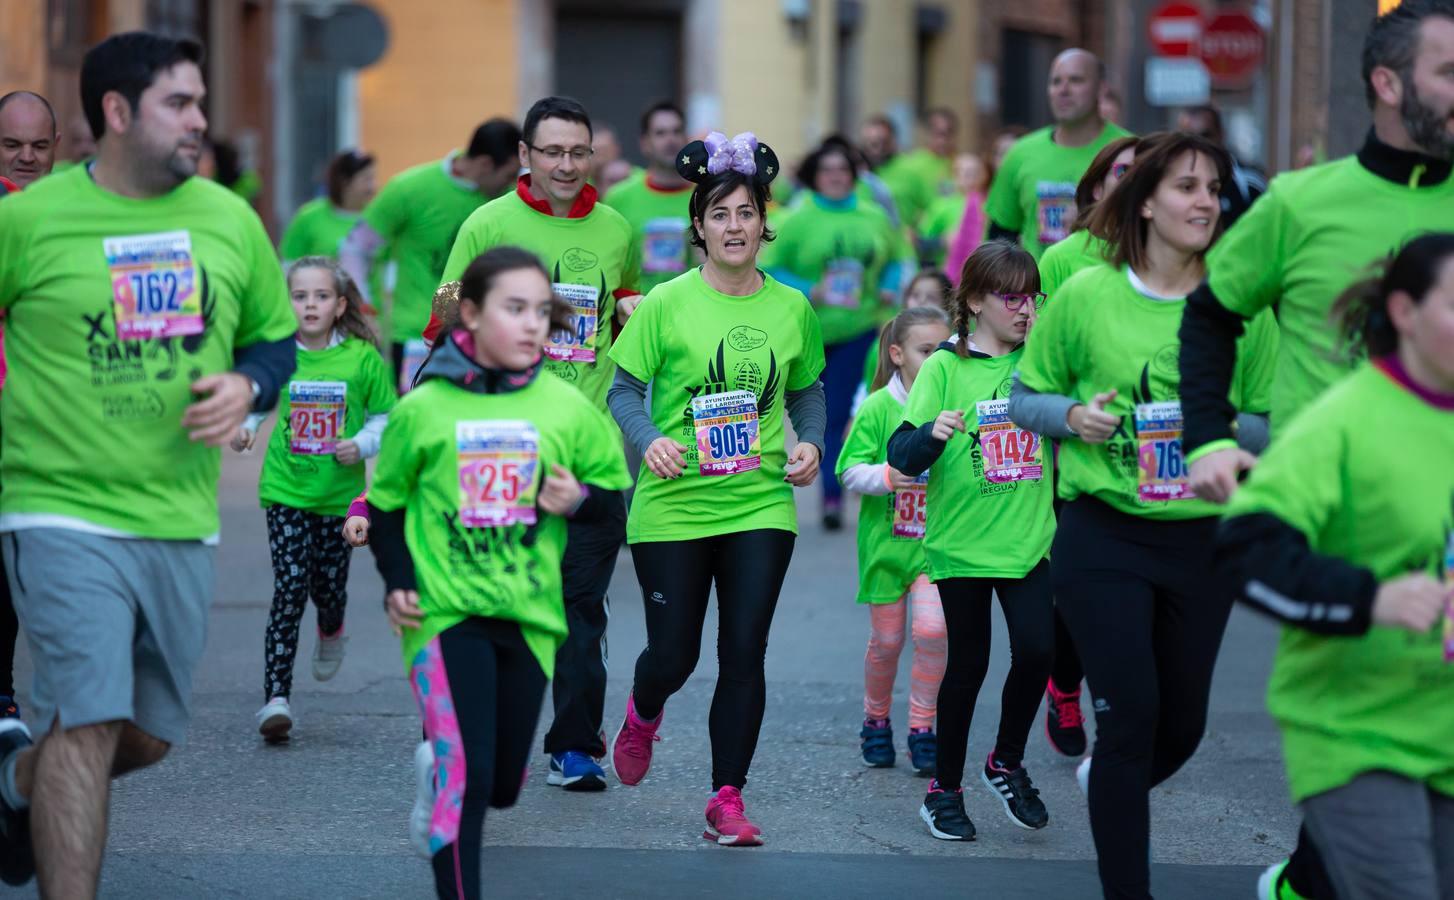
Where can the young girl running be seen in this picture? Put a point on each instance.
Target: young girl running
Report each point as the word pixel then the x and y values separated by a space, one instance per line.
pixel 483 463
pixel 1356 556
pixel 1132 565
pixel 929 288
pixel 988 532
pixel 891 568
pixel 329 421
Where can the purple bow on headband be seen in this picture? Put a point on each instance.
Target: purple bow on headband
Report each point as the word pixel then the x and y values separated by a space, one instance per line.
pixel 738 154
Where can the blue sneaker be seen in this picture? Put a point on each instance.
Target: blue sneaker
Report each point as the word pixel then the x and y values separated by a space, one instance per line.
pixel 575 771
pixel 877 744
pixel 923 750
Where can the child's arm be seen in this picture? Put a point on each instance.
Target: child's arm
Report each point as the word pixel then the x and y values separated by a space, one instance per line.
pixel 247 432
pixel 356 523
pixel 867 478
pixel 365 442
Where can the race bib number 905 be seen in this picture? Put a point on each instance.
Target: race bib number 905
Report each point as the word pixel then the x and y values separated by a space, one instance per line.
pixel 498 462
pixel 154 285
pixel 1010 452
pixel 1164 473
pixel 727 433
pixel 315 416
pixel 576 343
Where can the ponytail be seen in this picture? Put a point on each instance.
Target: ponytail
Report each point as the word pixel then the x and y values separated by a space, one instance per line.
pixel 895 333
pixel 1361 311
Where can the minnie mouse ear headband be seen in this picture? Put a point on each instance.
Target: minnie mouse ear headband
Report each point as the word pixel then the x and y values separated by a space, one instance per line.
pixel 744 154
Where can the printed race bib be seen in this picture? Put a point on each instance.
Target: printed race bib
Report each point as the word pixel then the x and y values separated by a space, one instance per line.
pixel 911 510
pixel 575 344
pixel 497 467
pixel 727 434
pixel 415 352
pixel 1158 437
pixel 843 281
pixel 664 246
pixel 1449 605
pixel 315 415
pixel 1054 210
pixel 154 285
pixel 1010 452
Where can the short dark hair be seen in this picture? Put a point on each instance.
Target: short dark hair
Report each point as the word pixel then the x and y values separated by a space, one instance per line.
pixel 1393 39
pixel 942 112
pixel 1214 116
pixel 16 95
pixel 882 121
pixel 341 168
pixel 566 108
pixel 808 171
pixel 1362 310
pixel 661 106
pixel 499 139
pixel 1095 174
pixel 128 64
pixel 712 191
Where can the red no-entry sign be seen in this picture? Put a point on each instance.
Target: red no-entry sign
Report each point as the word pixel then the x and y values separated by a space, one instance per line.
pixel 1176 29
pixel 1231 47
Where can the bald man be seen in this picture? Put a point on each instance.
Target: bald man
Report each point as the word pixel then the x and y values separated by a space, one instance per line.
pixel 1032 199
pixel 27 137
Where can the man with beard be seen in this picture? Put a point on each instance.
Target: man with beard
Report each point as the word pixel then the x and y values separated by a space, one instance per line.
pixel 655 202
pixel 109 513
pixel 28 137
pixel 1300 245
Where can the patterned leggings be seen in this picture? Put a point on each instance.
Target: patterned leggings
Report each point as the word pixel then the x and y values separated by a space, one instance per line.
pixel 310 559
pixel 886 641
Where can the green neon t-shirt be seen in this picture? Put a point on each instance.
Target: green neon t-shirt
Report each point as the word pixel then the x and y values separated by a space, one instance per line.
pixel 659 226
pixel 1102 333
pixel 890 526
pixel 1364 474
pixel 939 224
pixel 844 246
pixel 1301 244
pixel 419 212
pixel 333 391
pixel 589 259
pixel 1034 191
pixel 115 306
pixel 441 437
pixel 317 230
pixel 1060 261
pixel 990 496
pixel 911 191
pixel 691 343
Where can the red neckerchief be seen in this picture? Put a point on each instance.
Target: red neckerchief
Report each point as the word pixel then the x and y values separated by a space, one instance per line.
pixel 1394 369
pixel 582 207
pixel 661 189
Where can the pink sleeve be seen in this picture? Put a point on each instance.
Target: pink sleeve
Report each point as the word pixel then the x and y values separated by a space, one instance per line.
pixel 359 507
pixel 971 230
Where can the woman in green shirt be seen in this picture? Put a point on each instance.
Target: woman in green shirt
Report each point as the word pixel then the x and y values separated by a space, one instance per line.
pixel 1131 563
pixel 726 350
pixel 1345 533
pixel 321 224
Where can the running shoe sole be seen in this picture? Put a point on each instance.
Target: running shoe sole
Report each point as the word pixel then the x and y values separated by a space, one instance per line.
pixel 275 728
pixel 1005 802
pixel 422 815
pixel 878 765
pixel 731 840
pixel 578 782
pixel 928 818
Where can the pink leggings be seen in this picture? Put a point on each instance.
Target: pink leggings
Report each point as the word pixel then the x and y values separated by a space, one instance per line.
pixel 886 641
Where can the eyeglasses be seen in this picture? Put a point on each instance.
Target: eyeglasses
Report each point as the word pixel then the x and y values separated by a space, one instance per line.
pixel 1119 169
pixel 1014 301
pixel 554 153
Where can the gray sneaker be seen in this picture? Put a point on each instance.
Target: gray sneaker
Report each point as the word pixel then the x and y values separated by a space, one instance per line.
pixel 328 655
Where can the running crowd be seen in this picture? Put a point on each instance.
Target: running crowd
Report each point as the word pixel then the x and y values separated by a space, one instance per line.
pixel 1105 378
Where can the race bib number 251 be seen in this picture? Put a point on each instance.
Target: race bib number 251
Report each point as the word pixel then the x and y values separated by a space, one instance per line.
pixel 315 416
pixel 154 285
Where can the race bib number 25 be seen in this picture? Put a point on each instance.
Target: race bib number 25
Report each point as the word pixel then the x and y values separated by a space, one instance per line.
pixel 154 285
pixel 498 464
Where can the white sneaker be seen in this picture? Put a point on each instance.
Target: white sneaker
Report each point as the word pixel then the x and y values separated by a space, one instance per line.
pixel 423 813
pixel 1082 776
pixel 275 720
pixel 328 655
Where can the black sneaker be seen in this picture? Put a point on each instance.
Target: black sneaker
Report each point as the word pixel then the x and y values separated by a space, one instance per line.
pixel 1064 722
pixel 17 863
pixel 1016 793
pixel 9 709
pixel 923 751
pixel 943 811
pixel 832 520
pixel 876 743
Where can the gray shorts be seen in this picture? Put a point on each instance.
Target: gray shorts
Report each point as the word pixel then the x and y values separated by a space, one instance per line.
pixel 115 626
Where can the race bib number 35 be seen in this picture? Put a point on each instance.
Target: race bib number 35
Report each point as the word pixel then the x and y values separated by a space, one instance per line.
pixel 727 434
pixel 498 462
pixel 664 246
pixel 154 285
pixel 1054 210
pixel 577 343
pixel 1010 452
pixel 911 510
pixel 315 416
pixel 1164 474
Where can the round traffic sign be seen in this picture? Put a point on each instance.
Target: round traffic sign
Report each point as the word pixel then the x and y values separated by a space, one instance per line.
pixel 1175 29
pixel 1231 47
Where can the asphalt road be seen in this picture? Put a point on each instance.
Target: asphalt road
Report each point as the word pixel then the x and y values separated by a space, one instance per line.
pixel 226 816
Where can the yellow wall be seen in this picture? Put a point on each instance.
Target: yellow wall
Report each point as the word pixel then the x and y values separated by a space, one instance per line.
pixel 951 69
pixel 451 64
pixel 765 79
pixel 22 48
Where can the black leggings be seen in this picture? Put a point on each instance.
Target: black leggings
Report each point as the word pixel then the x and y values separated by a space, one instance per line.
pixel 1028 617
pixel 1067 672
pixel 676 578
pixel 310 561
pixel 479 689
pixel 1147 616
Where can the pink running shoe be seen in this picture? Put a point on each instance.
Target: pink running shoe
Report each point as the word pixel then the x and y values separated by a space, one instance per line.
pixel 631 754
pixel 727 821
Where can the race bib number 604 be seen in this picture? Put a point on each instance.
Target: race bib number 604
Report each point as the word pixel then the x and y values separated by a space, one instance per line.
pixel 577 343
pixel 154 285
pixel 498 464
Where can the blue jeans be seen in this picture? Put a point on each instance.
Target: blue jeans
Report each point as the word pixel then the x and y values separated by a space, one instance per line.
pixel 841 374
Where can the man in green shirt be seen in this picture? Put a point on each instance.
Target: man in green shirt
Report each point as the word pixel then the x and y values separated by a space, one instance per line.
pixel 28 137
pixel 918 178
pixel 1032 198
pixel 588 249
pixel 417 215
pixel 655 203
pixel 146 315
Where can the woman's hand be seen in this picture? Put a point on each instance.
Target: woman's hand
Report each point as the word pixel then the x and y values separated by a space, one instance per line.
pixel 664 458
pixel 1214 477
pixel 404 612
pixel 1091 422
pixel 803 465
pixel 1414 601
pixel 560 492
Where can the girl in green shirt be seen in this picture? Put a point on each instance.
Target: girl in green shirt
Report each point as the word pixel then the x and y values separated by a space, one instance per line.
pixel 1345 533
pixel 330 417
